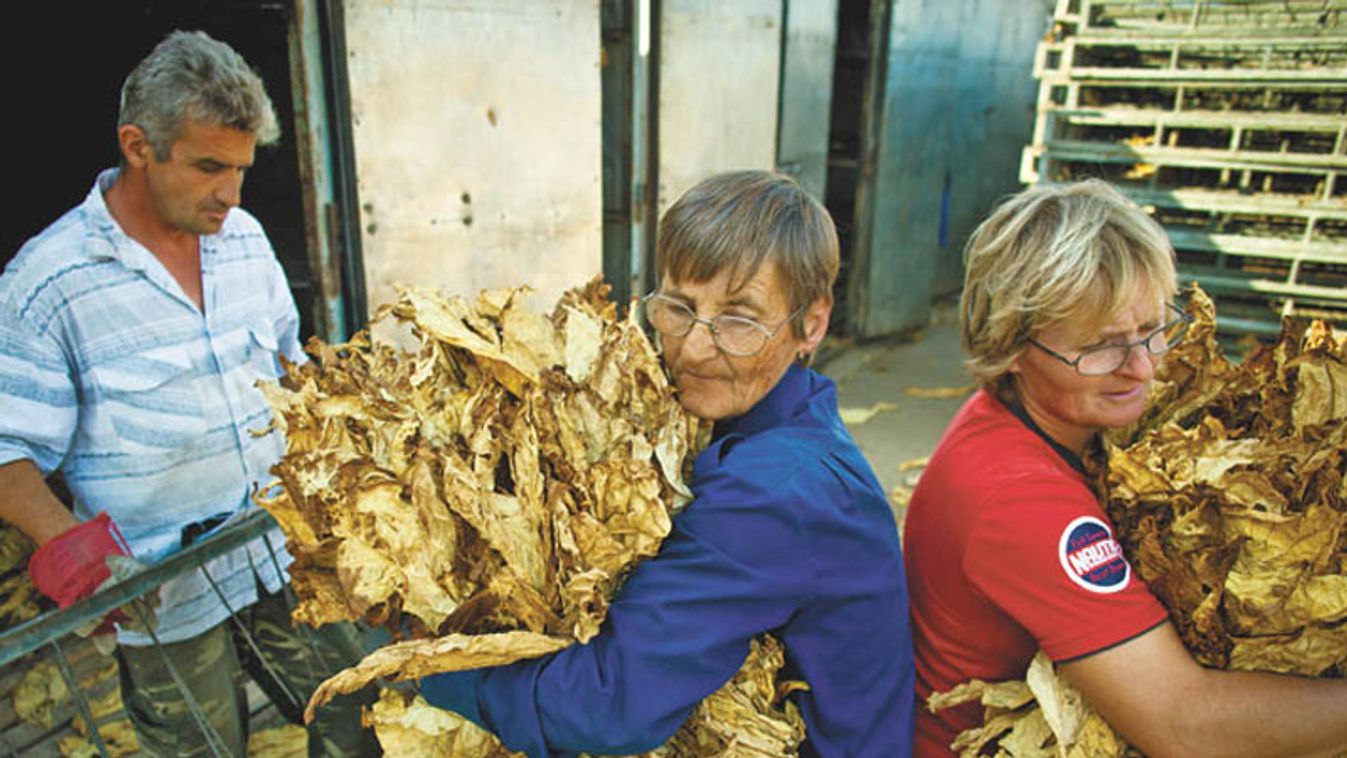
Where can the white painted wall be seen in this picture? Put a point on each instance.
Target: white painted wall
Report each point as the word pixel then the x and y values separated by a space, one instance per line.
pixel 477 143
pixel 719 72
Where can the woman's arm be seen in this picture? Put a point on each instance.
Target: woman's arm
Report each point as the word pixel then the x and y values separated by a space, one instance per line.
pixel 678 629
pixel 1152 691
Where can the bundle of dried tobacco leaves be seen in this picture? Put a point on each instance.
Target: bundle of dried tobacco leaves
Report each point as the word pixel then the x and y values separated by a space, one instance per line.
pixel 1229 500
pixel 479 479
pixel 742 718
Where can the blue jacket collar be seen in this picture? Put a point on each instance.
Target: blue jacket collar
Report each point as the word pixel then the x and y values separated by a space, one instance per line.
pixel 782 401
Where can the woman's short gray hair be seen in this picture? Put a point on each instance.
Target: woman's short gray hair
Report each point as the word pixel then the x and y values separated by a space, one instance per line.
pixel 1078 252
pixel 739 220
pixel 192 75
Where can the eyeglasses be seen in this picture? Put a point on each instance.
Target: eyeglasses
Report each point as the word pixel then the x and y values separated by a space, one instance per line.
pixel 1105 359
pixel 735 335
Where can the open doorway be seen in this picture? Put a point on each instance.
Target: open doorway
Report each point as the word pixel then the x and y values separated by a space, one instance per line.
pixel 848 165
pixel 64 68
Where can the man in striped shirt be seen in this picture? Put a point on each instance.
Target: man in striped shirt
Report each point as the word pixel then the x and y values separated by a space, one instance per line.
pixel 132 332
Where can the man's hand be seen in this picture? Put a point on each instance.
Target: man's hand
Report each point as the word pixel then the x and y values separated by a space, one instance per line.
pixel 79 561
pixel 139 615
pixel 71 565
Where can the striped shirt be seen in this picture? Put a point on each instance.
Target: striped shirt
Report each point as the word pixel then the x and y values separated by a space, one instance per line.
pixel 147 405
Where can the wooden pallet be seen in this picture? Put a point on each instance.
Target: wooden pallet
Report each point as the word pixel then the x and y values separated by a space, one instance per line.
pixel 1228 122
pixel 1230 18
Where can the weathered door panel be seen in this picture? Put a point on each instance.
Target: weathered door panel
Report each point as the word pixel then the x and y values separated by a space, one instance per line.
pixel 958 96
pixel 806 91
pixel 993 109
pixel 719 71
pixel 477 143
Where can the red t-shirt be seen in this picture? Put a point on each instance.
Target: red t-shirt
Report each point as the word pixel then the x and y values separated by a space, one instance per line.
pixel 1008 551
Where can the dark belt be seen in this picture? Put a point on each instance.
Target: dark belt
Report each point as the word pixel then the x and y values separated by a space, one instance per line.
pixel 195 530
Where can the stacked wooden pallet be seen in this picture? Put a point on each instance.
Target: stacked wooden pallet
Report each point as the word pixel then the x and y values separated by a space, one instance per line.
pixel 1229 119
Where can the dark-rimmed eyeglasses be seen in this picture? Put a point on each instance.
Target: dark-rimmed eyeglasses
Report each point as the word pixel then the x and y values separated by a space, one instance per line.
pixel 734 335
pixel 1105 359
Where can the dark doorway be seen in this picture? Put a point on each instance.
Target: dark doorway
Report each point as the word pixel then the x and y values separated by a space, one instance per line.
pixel 848 165
pixel 64 68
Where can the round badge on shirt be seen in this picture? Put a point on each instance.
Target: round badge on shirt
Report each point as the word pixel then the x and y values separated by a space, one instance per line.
pixel 1091 557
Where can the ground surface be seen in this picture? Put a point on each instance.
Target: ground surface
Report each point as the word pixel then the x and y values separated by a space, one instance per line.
pixel 888 371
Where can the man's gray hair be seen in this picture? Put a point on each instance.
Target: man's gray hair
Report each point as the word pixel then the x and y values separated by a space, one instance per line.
pixel 192 75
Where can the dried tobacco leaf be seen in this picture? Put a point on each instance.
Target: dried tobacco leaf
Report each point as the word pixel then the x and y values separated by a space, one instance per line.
pixel 413 659
pixel 473 484
pixel 1229 499
pixel 1041 716
pixel 747 716
pixel 18 596
pixel 481 478
pixel 38 693
pixel 42 692
pixel 282 741
pixel 408 725
pixel 119 736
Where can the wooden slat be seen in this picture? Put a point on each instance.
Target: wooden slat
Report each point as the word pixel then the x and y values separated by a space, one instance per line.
pixel 1195 157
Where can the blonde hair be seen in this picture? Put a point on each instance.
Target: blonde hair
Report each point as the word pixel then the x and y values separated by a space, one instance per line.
pixel 1076 252
pixel 739 220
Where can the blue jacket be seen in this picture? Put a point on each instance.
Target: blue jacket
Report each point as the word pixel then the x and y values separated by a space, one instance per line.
pixel 789 533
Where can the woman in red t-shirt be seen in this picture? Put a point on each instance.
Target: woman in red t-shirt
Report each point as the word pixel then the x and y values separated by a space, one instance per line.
pixel 1066 309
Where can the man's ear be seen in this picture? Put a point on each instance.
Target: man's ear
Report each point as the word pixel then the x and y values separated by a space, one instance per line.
pixel 136 149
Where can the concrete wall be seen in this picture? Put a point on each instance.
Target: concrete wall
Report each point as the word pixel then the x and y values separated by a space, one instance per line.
pixel 477 143
pixel 958 106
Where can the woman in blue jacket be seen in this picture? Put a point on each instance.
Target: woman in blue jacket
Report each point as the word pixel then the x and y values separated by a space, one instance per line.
pixel 789 532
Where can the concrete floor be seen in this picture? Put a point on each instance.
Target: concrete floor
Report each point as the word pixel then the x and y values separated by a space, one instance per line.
pixel 906 427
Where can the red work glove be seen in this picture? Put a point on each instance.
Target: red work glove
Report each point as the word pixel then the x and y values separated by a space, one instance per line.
pixel 71 565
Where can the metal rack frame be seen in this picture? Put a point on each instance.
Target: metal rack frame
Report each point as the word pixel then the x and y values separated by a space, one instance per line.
pixel 1251 193
pixel 49 629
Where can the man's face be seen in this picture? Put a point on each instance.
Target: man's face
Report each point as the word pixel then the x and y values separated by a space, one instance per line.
pixel 202 179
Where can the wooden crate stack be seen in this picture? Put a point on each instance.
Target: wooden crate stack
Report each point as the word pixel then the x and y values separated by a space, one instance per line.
pixel 1228 119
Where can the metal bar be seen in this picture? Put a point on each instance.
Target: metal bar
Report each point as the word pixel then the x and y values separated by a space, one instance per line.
pixel 1326 76
pixel 290 602
pixel 643 198
pixel 35 633
pixel 247 635
pixel 345 211
pixel 1261 247
pixel 1274 39
pixel 81 702
pixel 1263 286
pixel 317 190
pixel 213 740
pixel 1235 325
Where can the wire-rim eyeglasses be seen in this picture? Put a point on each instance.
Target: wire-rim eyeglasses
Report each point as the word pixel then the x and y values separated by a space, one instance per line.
pixel 1105 359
